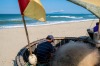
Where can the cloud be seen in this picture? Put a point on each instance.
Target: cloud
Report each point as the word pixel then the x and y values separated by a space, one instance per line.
pixel 61 10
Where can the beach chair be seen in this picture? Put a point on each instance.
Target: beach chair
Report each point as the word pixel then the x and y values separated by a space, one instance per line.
pixel 90 32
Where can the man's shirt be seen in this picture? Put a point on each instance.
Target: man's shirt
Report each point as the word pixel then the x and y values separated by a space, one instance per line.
pixel 43 51
pixel 95 29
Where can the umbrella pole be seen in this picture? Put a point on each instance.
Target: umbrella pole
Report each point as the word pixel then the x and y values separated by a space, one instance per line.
pixel 99 29
pixel 27 35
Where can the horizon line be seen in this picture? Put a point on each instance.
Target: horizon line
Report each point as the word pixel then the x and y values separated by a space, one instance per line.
pixel 51 13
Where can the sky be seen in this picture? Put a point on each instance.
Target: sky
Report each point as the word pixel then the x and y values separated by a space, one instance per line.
pixel 50 6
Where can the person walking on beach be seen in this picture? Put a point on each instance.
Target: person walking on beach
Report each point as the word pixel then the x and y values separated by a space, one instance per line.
pixel 44 51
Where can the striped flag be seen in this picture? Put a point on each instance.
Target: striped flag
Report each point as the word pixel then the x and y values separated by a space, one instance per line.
pixel 32 9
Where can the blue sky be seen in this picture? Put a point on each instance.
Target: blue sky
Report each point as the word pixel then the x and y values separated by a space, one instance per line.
pixel 12 7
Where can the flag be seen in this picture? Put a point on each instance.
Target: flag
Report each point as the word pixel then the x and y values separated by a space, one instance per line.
pixel 23 4
pixel 32 9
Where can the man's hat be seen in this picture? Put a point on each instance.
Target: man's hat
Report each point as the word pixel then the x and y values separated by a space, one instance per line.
pixel 50 37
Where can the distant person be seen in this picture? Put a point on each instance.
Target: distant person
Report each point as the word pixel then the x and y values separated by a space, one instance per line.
pixel 96 35
pixel 95 29
pixel 44 51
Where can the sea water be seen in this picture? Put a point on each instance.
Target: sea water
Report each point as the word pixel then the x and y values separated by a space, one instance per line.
pixel 15 20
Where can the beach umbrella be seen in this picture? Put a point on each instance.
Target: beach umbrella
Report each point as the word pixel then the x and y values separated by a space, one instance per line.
pixel 32 9
pixel 92 5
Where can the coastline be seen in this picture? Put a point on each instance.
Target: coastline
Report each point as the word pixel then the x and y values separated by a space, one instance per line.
pixel 13 39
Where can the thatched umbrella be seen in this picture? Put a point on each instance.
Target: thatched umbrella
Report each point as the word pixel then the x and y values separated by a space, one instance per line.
pixel 92 5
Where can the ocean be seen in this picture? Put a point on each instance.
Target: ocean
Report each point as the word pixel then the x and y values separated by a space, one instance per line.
pixel 15 20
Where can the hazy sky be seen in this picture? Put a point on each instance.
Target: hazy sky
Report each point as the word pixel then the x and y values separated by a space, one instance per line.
pixel 12 7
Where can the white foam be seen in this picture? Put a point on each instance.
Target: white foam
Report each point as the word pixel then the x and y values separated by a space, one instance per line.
pixel 14 19
pixel 67 17
pixel 47 23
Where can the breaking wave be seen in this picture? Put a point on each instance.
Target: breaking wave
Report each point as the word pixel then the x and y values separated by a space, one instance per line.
pixel 66 17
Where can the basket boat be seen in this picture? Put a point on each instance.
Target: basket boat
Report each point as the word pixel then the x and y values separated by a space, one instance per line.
pixel 22 56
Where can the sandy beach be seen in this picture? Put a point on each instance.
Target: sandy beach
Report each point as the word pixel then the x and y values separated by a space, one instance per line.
pixel 12 40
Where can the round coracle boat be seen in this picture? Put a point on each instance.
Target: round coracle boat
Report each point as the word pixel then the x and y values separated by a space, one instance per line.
pixel 71 51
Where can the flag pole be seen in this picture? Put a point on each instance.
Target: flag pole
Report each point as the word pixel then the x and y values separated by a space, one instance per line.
pixel 30 50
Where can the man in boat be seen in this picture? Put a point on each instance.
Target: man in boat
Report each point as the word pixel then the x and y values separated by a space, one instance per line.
pixel 44 51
